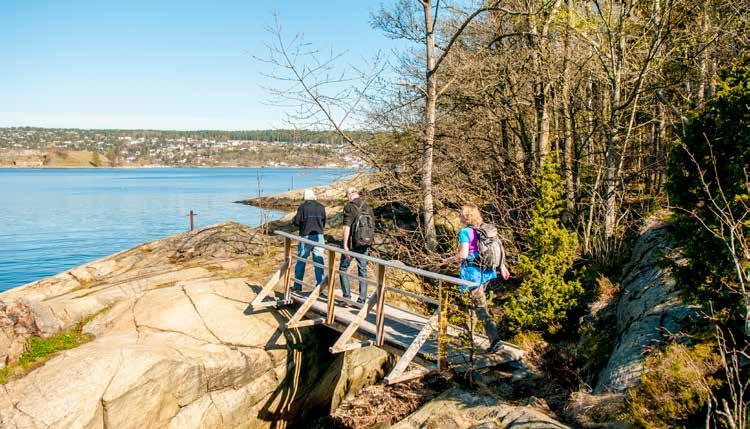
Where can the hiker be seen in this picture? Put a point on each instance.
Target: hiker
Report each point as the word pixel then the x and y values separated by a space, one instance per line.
pixel 477 271
pixel 359 230
pixel 311 220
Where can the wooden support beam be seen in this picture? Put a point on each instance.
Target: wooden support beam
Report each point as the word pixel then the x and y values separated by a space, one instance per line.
pixel 305 323
pixel 338 347
pixel 353 346
pixel 380 312
pixel 274 304
pixel 331 315
pixel 288 271
pixel 414 347
pixel 305 306
pixel 442 327
pixel 411 375
pixel 268 288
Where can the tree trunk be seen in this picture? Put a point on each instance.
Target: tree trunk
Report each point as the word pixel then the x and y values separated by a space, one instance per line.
pixel 541 140
pixel 703 85
pixel 567 137
pixel 542 123
pixel 428 209
pixel 613 145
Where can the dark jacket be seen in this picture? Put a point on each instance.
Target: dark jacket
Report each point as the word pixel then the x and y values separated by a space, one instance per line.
pixel 310 218
pixel 352 210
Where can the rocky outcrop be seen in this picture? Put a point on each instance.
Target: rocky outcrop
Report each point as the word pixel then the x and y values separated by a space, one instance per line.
pixel 330 195
pixel 174 345
pixel 649 310
pixel 458 408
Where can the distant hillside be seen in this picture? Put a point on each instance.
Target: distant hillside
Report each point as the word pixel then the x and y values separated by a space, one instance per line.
pixel 52 158
pixel 38 147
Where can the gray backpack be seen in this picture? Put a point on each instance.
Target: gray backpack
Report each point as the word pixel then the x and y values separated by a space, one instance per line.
pixel 491 251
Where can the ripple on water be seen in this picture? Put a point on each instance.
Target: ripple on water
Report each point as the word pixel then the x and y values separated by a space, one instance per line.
pixel 54 220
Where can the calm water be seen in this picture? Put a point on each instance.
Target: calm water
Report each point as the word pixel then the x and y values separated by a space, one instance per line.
pixel 53 220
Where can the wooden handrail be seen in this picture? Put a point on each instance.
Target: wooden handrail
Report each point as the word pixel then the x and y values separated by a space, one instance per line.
pixel 374 260
pixel 434 324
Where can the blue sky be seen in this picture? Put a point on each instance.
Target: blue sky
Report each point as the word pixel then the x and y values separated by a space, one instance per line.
pixel 161 64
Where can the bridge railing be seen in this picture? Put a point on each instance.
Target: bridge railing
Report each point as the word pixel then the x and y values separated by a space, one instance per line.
pixel 437 321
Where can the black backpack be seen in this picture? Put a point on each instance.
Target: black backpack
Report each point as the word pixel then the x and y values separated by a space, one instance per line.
pixel 363 227
pixel 491 251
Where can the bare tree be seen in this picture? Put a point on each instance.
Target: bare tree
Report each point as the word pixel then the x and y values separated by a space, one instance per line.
pixel 401 23
pixel 320 91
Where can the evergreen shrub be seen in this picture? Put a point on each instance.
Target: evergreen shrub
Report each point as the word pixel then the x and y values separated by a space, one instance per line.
pixel 545 295
pixel 718 140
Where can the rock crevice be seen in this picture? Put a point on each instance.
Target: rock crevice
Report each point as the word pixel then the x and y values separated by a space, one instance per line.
pixel 650 308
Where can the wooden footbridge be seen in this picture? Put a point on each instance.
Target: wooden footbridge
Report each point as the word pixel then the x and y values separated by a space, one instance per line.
pixel 425 343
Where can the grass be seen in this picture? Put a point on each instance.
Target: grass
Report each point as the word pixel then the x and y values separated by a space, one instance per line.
pixel 39 350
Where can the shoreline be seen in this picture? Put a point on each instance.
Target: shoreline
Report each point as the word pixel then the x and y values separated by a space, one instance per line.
pixel 331 194
pixel 155 167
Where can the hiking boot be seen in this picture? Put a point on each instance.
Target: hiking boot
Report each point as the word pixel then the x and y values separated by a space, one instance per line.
pixel 360 301
pixel 297 288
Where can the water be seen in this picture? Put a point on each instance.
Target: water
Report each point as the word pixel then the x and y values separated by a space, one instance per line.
pixel 53 220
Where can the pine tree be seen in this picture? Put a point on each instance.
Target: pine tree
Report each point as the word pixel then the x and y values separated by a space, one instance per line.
pixel 545 296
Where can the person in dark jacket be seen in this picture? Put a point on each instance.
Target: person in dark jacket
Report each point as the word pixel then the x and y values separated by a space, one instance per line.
pixel 353 209
pixel 311 220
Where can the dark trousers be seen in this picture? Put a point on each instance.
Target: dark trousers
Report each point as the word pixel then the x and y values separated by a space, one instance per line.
pixel 361 270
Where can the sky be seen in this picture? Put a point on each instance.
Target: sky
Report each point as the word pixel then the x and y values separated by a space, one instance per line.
pixel 160 64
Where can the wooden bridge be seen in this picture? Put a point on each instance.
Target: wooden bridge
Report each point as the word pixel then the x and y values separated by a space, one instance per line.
pixel 426 343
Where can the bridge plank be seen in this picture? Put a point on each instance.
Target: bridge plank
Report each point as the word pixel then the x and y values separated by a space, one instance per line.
pixel 400 335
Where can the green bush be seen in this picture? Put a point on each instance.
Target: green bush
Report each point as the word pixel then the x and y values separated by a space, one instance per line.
pixel 675 387
pixel 718 140
pixel 545 295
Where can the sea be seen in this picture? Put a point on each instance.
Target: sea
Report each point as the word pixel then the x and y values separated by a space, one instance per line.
pixel 52 220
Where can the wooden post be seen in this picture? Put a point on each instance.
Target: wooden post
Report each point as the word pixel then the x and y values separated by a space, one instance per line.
pixel 331 293
pixel 192 220
pixel 380 312
pixel 287 274
pixel 442 326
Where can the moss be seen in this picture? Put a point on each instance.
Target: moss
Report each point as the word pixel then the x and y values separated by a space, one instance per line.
pixel 675 387
pixel 39 350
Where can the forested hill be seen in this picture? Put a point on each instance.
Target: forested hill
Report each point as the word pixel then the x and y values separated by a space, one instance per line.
pixel 41 146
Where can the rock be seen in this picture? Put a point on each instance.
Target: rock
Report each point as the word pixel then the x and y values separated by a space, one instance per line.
pixel 174 346
pixel 17 322
pixel 458 408
pixel 649 309
pixel 330 195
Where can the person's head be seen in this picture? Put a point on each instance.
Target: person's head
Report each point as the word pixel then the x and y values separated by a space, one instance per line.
pixel 309 195
pixel 470 215
pixel 352 193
